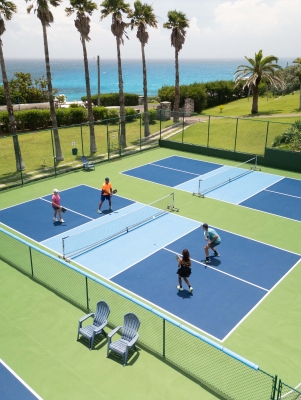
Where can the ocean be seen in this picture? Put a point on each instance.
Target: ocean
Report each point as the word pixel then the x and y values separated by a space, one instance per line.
pixel 69 78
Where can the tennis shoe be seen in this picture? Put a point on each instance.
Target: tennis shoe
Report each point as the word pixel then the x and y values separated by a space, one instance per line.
pixel 55 219
pixel 190 289
pixel 216 254
pixel 61 220
pixel 99 211
pixel 179 288
pixel 207 261
pixel 110 208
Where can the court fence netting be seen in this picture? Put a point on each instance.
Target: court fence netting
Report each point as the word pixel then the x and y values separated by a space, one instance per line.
pixel 221 370
pixel 83 241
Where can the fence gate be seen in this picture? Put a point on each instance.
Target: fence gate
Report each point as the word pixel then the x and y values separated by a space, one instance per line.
pixel 113 140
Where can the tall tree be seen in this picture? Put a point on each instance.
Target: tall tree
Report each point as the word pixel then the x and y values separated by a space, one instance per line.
pixel 142 17
pixel 297 61
pixel 7 9
pixel 45 16
pixel 117 8
pixel 177 22
pixel 84 9
pixel 259 68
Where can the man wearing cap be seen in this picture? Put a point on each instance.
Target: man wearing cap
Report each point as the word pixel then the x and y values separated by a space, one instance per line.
pixel 56 205
pixel 213 241
pixel 106 194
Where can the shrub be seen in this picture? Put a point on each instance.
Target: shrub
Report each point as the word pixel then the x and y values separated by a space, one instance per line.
pixel 34 119
pixel 100 113
pixel 112 99
pixel 78 115
pixel 131 114
pixel 63 116
pixel 152 116
pixel 291 136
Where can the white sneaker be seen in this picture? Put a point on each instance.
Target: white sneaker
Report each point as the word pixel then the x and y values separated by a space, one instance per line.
pixel 61 220
pixel 190 289
pixel 55 220
pixel 179 288
pixel 99 211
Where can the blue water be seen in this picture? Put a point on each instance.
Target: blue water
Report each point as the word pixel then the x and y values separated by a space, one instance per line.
pixel 68 75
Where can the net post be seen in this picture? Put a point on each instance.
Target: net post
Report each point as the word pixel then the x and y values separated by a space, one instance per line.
pixel 198 193
pixel 172 207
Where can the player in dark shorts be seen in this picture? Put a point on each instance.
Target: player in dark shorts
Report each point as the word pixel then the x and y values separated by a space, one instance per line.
pixel 184 269
pixel 106 194
pixel 213 241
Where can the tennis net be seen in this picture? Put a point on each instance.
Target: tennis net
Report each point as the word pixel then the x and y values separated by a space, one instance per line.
pixel 225 175
pixel 81 242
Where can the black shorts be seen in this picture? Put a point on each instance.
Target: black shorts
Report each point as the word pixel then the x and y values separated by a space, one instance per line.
pixel 56 208
pixel 213 244
pixel 184 272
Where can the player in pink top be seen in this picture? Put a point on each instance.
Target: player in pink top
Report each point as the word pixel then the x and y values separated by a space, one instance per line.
pixel 56 205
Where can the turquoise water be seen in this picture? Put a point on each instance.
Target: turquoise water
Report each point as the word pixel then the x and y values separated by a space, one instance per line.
pixel 68 75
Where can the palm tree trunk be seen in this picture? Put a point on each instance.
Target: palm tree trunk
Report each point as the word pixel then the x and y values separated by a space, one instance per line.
pixel 93 148
pixel 177 90
pixel 58 150
pixel 12 125
pixel 146 119
pixel 300 97
pixel 121 97
pixel 255 99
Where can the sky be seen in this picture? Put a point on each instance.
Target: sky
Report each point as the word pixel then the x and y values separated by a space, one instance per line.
pixel 218 29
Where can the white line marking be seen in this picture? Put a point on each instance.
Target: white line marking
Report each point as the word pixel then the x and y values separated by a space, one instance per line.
pixel 259 191
pixel 20 380
pixel 153 252
pixel 174 169
pixel 276 284
pixel 69 209
pixel 283 194
pixel 222 272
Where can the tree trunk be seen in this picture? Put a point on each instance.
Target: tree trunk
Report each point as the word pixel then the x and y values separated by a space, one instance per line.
pixel 121 97
pixel 93 148
pixel 255 99
pixel 12 125
pixel 177 90
pixel 146 119
pixel 58 150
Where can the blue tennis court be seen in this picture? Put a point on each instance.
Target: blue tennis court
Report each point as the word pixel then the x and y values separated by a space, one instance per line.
pixel 12 387
pixel 238 185
pixel 142 259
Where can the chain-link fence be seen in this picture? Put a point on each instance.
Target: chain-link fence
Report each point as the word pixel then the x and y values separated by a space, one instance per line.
pixel 114 138
pixel 226 373
pixel 243 135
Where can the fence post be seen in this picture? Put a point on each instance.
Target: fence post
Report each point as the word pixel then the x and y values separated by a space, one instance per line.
pixel 163 337
pixel 119 134
pixel 267 135
pixel 81 137
pixel 183 129
pixel 235 135
pixel 53 152
pixel 160 122
pixel 31 263
pixel 274 395
pixel 87 293
pixel 208 131
pixel 108 140
pixel 140 131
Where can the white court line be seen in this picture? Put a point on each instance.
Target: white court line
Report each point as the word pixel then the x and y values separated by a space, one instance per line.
pixel 290 392
pixel 276 284
pixel 69 209
pixel 283 194
pixel 38 198
pixel 259 191
pixel 20 380
pixel 222 272
pixel 155 251
pixel 174 169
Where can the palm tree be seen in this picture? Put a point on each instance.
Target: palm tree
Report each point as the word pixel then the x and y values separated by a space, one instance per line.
pixel 117 8
pixel 178 22
pixel 298 73
pixel 84 9
pixel 45 16
pixel 143 16
pixel 7 8
pixel 259 68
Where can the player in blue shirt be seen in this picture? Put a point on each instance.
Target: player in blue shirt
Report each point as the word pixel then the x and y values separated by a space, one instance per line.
pixel 213 241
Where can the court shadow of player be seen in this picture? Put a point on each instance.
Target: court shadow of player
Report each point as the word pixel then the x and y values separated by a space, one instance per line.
pixel 105 212
pixel 185 294
pixel 215 261
pixel 57 223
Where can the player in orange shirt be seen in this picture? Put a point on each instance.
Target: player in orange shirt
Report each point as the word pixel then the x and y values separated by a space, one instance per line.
pixel 106 194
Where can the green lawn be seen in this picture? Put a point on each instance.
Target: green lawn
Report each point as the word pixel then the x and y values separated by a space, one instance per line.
pixel 37 153
pixel 288 104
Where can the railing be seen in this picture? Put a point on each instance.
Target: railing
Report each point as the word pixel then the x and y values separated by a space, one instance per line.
pixel 223 371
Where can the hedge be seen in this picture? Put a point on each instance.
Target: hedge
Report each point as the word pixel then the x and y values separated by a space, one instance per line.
pixel 112 99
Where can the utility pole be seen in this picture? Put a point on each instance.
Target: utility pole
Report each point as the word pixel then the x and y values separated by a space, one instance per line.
pixel 98 76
